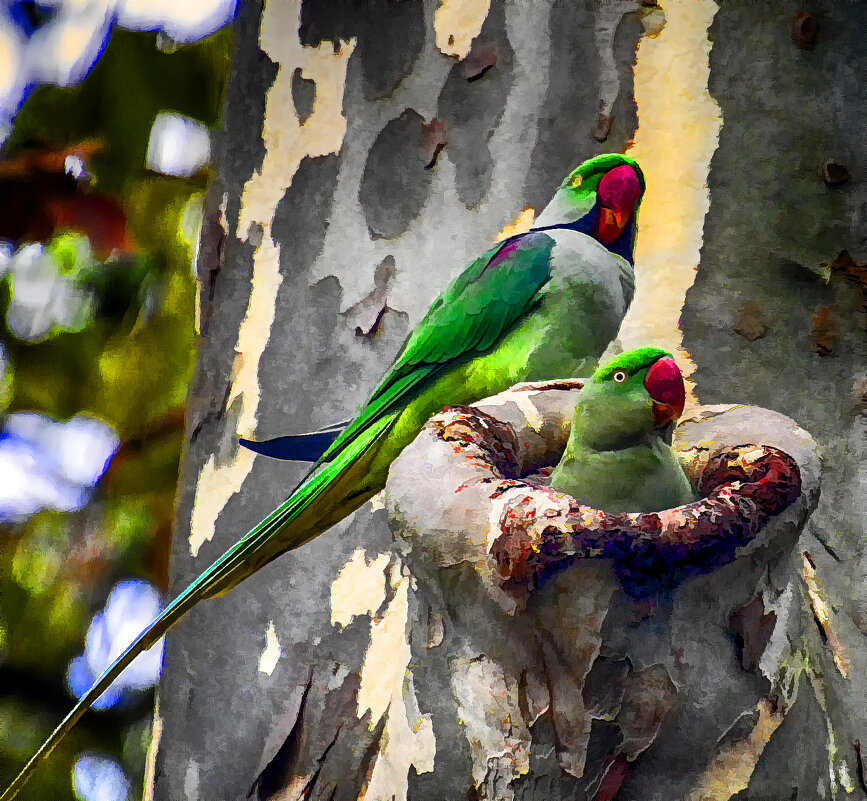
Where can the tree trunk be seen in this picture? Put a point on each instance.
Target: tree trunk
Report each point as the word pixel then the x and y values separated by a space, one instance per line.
pixel 370 151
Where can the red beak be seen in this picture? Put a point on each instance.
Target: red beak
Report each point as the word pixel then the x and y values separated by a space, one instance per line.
pixel 664 384
pixel 616 195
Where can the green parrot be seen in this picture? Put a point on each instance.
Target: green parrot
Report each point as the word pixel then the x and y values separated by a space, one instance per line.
pixel 617 457
pixel 540 305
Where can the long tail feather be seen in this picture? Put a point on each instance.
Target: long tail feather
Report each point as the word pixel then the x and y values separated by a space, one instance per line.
pixel 250 553
pixel 170 615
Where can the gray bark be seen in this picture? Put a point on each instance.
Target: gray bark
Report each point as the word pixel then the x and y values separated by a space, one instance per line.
pixel 369 228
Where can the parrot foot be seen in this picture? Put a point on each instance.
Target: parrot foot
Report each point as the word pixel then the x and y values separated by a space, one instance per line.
pixel 544 386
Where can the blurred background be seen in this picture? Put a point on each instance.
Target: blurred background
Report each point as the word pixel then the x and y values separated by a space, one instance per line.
pixel 107 109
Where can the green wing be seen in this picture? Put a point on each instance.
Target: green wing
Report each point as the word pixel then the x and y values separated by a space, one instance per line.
pixel 470 316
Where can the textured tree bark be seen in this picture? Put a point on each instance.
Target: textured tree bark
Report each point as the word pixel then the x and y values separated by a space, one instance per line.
pixel 369 152
pixel 590 636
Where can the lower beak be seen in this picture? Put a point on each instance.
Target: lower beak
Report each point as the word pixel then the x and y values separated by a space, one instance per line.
pixel 664 413
pixel 611 224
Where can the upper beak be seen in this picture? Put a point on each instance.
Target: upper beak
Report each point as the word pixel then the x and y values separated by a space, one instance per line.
pixel 664 384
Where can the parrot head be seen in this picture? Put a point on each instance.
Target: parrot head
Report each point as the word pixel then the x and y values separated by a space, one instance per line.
pixel 629 399
pixel 611 184
pixel 600 198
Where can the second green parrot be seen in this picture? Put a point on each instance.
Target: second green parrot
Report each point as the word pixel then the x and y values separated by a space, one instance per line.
pixel 617 457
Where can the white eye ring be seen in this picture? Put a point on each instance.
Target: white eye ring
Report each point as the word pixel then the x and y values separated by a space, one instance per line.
pixel 619 376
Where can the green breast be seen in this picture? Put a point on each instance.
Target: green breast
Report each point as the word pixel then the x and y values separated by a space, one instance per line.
pixel 644 478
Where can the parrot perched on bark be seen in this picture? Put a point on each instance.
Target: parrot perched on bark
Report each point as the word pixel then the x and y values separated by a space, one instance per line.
pixel 617 457
pixel 540 305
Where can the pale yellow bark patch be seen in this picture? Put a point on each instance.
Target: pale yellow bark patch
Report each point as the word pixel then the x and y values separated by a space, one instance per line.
pixel 524 401
pixel 386 684
pixel 377 502
pixel 153 747
pixel 387 688
pixel 384 663
pixel 287 143
pixel 520 225
pixel 272 653
pixel 824 613
pixel 457 23
pixel 359 588
pixel 678 132
pixel 730 770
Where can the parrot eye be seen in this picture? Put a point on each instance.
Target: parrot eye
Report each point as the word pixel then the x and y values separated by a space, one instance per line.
pixel 576 181
pixel 619 376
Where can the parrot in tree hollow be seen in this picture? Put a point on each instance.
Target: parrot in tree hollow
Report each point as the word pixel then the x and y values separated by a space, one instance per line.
pixel 617 457
pixel 540 305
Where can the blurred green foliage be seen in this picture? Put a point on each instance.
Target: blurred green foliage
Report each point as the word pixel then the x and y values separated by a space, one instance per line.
pixel 129 365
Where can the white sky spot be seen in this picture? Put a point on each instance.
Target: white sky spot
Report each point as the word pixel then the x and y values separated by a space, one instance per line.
pixel 178 145
pixel 130 607
pixel 48 464
pixel 78 449
pixel 83 448
pixel 63 50
pixel 74 166
pixel 98 777
pixel 184 21
pixel 26 487
pixel 43 299
pixel 6 251
pixel 10 58
pixel 359 588
pixel 272 653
